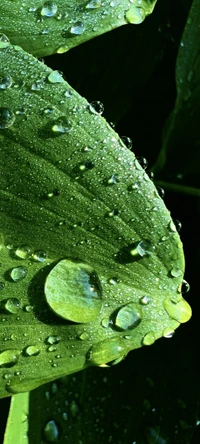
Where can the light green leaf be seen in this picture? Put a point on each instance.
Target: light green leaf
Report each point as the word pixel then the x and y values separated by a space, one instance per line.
pixel 17 423
pixel 43 28
pixel 79 216
pixel 180 150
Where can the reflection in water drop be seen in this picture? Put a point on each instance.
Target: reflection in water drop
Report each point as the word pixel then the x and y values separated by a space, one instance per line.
pixel 49 9
pixel 128 317
pixel 77 29
pixel 73 291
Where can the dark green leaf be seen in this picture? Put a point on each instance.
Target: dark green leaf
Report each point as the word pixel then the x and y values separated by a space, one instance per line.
pixel 70 190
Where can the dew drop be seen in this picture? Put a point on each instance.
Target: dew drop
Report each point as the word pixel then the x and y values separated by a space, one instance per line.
pixel 128 317
pixel 96 107
pixel 53 339
pixel 87 165
pixel 177 224
pixel 49 9
pixel 77 29
pixel 176 272
pixel 127 141
pixel 4 41
pixel 112 180
pixel 2 285
pixel 74 409
pixel 5 82
pixel 135 15
pixel 8 358
pixel 55 77
pixel 7 118
pixel 32 350
pixel 161 192
pixel 185 286
pixel 143 162
pixel 23 251
pixel 61 126
pixel 143 248
pixel 51 348
pixel 84 336
pixel 149 338
pixel 51 431
pixel 144 300
pixel 18 273
pixel 106 351
pixel 73 291
pixel 168 332
pixel 12 305
pixel 93 4
pixel 39 256
pixel 180 311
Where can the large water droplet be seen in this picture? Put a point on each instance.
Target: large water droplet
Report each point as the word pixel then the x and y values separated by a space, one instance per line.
pixel 49 9
pixel 5 82
pixel 55 77
pixel 23 251
pixel 7 118
pixel 32 350
pixel 93 4
pixel 18 273
pixel 106 351
pixel 4 41
pixel 149 338
pixel 96 107
pixel 143 248
pixel 8 358
pixel 51 431
pixel 77 29
pixel 180 311
pixel 73 291
pixel 12 305
pixel 176 272
pixel 61 126
pixel 135 15
pixel 128 317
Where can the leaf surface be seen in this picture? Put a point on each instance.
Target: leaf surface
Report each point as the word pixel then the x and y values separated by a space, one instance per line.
pixel 17 423
pixel 75 202
pixel 44 28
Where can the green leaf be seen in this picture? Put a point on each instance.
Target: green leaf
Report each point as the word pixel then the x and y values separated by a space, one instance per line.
pixel 43 28
pixel 79 216
pixel 17 423
pixel 180 150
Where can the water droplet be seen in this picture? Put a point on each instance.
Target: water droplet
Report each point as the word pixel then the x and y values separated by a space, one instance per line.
pixel 12 305
pixel 144 300
pixel 143 248
pixel 185 286
pixel 28 308
pixel 32 350
pixel 53 193
pixel 49 9
pixel 74 409
pixel 77 29
pixel 2 285
pixel 61 126
pixel 4 41
pixel 39 256
pixel 128 317
pixel 5 82
pixel 65 416
pixel 18 273
pixel 53 339
pixel 8 358
pixel 161 192
pixel 23 251
pixel 51 431
pixel 93 4
pixel 106 351
pixel 112 180
pixel 55 77
pixel 135 15
pixel 149 338
pixel 172 226
pixel 143 162
pixel 51 348
pixel 180 311
pixel 96 107
pixel 168 332
pixel 177 224
pixel 127 141
pixel 7 118
pixel 87 165
pixel 73 291
pixel 84 336
pixel 176 272
pixel 113 213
